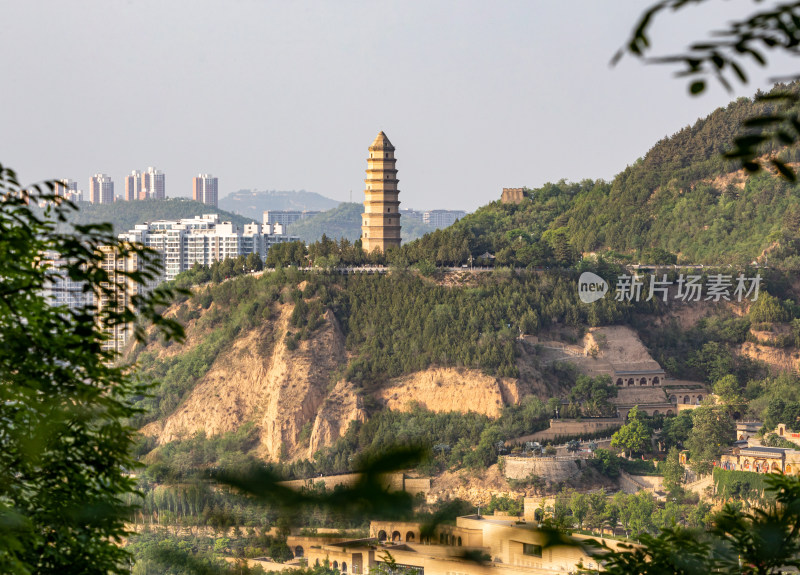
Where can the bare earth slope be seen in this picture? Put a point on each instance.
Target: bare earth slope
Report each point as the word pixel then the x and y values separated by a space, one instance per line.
pixel 299 402
pixel 449 389
pixel 280 390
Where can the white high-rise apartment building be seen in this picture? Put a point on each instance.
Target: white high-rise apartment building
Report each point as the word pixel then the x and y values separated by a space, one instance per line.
pixel 286 217
pixel 101 189
pixel 204 240
pixel 153 185
pixel 147 185
pixel 205 189
pixel 442 218
pixel 68 189
pixel 59 289
pixel 122 289
pixel 133 186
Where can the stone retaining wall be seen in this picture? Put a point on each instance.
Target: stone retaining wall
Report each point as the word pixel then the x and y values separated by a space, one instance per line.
pixel 392 481
pixel 553 469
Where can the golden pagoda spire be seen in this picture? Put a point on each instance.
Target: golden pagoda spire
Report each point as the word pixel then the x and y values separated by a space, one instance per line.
pixel 380 222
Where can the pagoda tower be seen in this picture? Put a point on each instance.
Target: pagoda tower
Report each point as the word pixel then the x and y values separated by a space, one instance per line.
pixel 380 222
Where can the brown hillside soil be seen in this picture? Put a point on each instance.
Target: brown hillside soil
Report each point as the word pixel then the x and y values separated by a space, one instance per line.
pixel 280 390
pixel 336 413
pixel 449 389
pixel 297 399
pixel 777 359
pixel 475 488
pixel 297 405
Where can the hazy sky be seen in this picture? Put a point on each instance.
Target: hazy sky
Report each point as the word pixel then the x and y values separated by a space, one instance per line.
pixel 475 95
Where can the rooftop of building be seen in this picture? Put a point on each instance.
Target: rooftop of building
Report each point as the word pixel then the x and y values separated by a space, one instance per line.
pixel 381 142
pixel 761 449
pixel 647 367
pixel 749 425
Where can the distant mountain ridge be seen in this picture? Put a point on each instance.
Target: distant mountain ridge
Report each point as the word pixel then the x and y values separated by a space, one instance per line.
pixel 344 221
pixel 253 203
pixel 125 215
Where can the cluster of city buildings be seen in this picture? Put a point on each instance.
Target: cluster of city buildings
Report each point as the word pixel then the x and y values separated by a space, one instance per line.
pixel 180 243
pixel 149 184
pixel 204 240
pixel 61 290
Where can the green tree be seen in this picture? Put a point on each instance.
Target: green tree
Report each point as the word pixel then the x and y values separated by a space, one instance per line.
pixel 729 393
pixel 606 462
pixel 65 449
pixel 673 473
pixel 598 505
pixel 675 430
pixel 768 309
pixel 253 262
pixel 760 542
pixel 714 360
pixel 579 504
pixel 642 507
pixel 561 512
pixel 623 509
pixel 712 431
pixel 634 436
pixel 594 395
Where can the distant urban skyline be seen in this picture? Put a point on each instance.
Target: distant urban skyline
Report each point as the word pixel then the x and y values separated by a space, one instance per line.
pixel 477 96
pixel 151 184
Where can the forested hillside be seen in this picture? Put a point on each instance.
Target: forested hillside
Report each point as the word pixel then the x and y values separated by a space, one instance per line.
pixel 392 324
pixel 124 215
pixel 308 357
pixel 680 202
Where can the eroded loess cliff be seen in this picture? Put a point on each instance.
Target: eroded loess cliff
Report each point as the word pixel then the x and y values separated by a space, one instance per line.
pixel 278 389
pixel 298 399
pixel 449 389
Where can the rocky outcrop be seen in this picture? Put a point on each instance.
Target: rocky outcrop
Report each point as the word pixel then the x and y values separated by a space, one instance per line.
pixel 450 389
pixel 297 399
pixel 280 390
pixel 299 382
pixel 778 359
pixel 339 409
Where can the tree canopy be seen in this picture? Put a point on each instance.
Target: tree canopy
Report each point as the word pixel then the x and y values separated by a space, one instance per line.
pixel 65 447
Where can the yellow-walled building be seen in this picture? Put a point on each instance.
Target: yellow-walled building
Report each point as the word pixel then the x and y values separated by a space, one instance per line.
pixel 505 547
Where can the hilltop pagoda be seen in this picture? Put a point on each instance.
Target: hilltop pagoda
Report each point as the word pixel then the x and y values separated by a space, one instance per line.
pixel 380 222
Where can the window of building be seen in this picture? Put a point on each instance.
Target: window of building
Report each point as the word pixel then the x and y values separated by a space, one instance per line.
pixel 532 550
